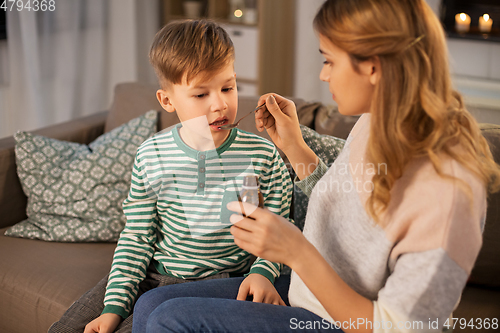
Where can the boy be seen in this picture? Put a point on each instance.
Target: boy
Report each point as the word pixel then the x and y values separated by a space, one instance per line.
pixel 177 222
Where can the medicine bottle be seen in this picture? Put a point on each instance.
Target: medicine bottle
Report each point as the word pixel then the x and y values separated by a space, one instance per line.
pixel 250 191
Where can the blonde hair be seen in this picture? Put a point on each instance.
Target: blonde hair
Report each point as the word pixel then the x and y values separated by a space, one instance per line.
pixel 415 111
pixel 189 48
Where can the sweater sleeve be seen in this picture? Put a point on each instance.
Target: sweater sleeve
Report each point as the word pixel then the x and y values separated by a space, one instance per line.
pixel 276 187
pixel 434 252
pixel 421 293
pixel 135 245
pixel 307 184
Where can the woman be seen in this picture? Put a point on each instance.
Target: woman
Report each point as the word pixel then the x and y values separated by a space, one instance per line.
pixel 396 251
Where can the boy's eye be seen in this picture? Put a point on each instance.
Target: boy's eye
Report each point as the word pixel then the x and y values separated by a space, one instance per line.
pixel 227 89
pixel 200 95
pixel 326 63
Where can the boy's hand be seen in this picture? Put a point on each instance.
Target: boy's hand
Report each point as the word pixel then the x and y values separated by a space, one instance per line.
pixel 260 288
pixel 105 323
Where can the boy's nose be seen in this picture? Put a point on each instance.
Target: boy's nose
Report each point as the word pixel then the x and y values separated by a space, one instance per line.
pixel 219 103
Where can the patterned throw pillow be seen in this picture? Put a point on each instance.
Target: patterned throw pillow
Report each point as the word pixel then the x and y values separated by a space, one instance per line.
pixel 327 148
pixel 75 191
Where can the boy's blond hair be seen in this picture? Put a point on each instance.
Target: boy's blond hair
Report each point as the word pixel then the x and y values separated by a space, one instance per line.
pixel 188 48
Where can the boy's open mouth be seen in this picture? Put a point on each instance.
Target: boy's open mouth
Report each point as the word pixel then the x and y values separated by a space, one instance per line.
pixel 218 122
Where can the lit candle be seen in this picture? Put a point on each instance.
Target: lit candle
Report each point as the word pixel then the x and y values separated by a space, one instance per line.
pixel 238 13
pixel 485 23
pixel 462 22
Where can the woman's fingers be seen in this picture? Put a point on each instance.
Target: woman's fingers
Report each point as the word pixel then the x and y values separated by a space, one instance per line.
pixel 273 108
pixel 245 209
pixel 268 120
pixel 243 238
pixel 274 112
pixel 262 233
pixel 263 119
pixel 243 227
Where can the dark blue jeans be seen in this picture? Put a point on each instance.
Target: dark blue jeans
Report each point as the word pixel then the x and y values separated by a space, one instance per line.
pixel 211 306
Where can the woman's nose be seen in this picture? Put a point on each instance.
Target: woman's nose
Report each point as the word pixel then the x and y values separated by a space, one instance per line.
pixel 323 75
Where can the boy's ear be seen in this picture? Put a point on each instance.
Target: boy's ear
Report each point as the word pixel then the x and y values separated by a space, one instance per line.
pixel 164 100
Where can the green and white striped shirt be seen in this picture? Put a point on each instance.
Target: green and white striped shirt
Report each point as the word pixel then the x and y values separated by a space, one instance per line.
pixel 177 216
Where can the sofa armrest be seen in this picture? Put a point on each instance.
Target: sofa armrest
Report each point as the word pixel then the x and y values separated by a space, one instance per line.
pixel 12 198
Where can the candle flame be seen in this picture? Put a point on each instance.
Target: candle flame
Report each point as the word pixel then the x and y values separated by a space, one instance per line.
pixel 463 16
pixel 486 17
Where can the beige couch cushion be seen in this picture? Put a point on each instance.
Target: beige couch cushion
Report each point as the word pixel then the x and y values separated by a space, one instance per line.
pixel 38 281
pixel 331 122
pixel 133 99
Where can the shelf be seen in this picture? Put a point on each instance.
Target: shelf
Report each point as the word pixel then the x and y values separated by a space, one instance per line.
pixel 475 34
pixel 475 9
pixel 275 22
pixel 217 10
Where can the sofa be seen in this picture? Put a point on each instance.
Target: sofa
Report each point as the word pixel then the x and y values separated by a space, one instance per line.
pixel 39 280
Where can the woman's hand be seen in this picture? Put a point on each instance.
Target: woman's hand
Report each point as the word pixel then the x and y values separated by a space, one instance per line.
pixel 265 234
pixel 272 237
pixel 280 119
pixel 260 288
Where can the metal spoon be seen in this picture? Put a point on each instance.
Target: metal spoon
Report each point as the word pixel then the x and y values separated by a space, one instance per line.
pixel 230 126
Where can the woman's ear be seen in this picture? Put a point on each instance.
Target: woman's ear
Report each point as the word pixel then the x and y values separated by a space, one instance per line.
pixel 376 70
pixel 371 68
pixel 165 101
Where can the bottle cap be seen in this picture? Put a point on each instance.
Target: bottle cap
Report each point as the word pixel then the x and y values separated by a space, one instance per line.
pixel 250 181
